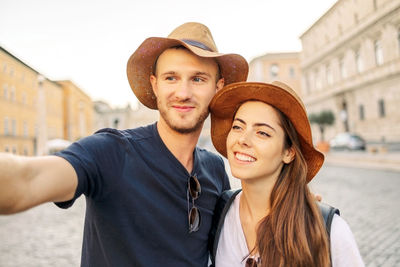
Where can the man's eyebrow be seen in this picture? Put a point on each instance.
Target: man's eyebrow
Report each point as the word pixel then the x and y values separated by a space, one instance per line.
pixel 258 124
pixel 203 73
pixel 168 72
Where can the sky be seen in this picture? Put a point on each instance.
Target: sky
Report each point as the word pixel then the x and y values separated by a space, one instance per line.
pixel 89 41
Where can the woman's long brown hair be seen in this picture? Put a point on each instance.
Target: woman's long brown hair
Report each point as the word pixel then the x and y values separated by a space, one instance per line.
pixel 293 233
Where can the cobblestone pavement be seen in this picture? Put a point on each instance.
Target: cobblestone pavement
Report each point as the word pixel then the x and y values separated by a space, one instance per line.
pixel 368 200
pixel 43 236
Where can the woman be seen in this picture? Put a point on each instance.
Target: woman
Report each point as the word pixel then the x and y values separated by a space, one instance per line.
pixel 264 132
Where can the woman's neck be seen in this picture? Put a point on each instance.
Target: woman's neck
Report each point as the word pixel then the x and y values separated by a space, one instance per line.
pixel 253 207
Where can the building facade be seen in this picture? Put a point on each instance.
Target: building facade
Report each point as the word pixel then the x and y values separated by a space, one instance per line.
pixel 350 65
pixel 122 118
pixel 284 67
pixel 35 109
pixel 78 112
pixel 24 95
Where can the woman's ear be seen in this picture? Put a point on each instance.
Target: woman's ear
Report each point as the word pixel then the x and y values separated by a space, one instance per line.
pixel 288 155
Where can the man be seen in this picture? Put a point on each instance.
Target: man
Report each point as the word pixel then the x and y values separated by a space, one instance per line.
pixel 150 192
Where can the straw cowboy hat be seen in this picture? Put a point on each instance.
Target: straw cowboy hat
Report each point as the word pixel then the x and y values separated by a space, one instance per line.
pixel 282 97
pixel 194 36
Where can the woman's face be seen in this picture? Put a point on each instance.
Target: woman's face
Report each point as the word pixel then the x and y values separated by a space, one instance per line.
pixel 255 143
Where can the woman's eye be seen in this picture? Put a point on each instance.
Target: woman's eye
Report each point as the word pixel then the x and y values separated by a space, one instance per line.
pixel 264 134
pixel 170 78
pixel 235 127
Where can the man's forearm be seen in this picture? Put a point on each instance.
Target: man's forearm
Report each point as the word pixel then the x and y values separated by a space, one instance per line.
pixel 12 182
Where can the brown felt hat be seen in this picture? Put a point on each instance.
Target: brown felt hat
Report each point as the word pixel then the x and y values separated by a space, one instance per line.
pixel 194 36
pixel 279 95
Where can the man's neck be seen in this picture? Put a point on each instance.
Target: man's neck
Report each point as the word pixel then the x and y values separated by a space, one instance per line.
pixel 180 145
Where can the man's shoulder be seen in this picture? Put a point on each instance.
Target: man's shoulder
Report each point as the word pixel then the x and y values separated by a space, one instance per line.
pixel 138 133
pixel 209 158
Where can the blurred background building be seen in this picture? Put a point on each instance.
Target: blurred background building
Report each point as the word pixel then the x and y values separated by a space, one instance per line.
pixel 40 116
pixel 284 67
pixel 350 66
pixel 122 118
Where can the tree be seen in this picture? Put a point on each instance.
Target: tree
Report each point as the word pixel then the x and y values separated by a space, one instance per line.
pixel 322 119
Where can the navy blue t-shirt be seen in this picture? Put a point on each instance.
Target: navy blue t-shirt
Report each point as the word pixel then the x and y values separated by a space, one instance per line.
pixel 136 199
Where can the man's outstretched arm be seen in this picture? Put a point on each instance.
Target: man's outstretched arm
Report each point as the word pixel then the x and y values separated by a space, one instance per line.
pixel 26 182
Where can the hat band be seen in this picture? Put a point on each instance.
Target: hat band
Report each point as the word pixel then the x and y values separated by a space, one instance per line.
pixel 197 44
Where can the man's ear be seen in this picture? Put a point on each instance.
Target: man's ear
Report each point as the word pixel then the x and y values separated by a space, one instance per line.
pixel 220 84
pixel 289 155
pixel 153 82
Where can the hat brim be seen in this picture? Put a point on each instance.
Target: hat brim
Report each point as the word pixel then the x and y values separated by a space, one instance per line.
pixel 227 100
pixel 233 67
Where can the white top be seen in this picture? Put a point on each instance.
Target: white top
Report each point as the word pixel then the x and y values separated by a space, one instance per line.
pixel 232 246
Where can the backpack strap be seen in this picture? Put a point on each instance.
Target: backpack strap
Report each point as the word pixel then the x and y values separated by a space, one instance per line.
pixel 327 212
pixel 222 207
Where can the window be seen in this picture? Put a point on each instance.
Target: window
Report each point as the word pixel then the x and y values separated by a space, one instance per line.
pixel 5 92
pixel 378 52
pixel 398 38
pixel 5 126
pixel 25 128
pixel 291 72
pixel 24 98
pixel 342 68
pixel 12 94
pixel 13 127
pixel 317 78
pixel 329 76
pixel 361 112
pixel 308 89
pixel 359 62
pixel 4 68
pixel 273 70
pixel 381 107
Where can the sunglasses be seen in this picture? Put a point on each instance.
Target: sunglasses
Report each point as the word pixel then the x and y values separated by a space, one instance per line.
pixel 194 190
pixel 251 262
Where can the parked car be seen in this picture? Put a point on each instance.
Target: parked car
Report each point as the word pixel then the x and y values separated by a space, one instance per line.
pixel 347 141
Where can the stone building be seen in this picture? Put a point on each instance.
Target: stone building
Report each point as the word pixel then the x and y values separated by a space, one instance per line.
pixel 350 64
pixel 284 67
pixel 30 110
pixel 35 109
pixel 122 118
pixel 78 112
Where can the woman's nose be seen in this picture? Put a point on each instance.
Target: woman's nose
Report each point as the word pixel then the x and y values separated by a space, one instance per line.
pixel 244 139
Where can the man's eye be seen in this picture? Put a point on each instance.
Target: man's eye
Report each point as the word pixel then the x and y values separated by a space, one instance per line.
pixel 170 78
pixel 198 79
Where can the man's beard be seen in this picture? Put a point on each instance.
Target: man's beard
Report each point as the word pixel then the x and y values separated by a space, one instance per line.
pixel 180 129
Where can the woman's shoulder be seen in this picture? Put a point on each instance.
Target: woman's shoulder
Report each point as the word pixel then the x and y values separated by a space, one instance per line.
pixel 344 249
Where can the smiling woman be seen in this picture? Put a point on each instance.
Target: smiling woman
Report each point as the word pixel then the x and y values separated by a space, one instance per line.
pixel 264 132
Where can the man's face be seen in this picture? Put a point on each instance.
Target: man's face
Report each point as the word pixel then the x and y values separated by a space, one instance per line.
pixel 184 85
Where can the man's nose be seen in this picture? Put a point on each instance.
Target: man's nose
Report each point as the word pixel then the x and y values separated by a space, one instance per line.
pixel 183 90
